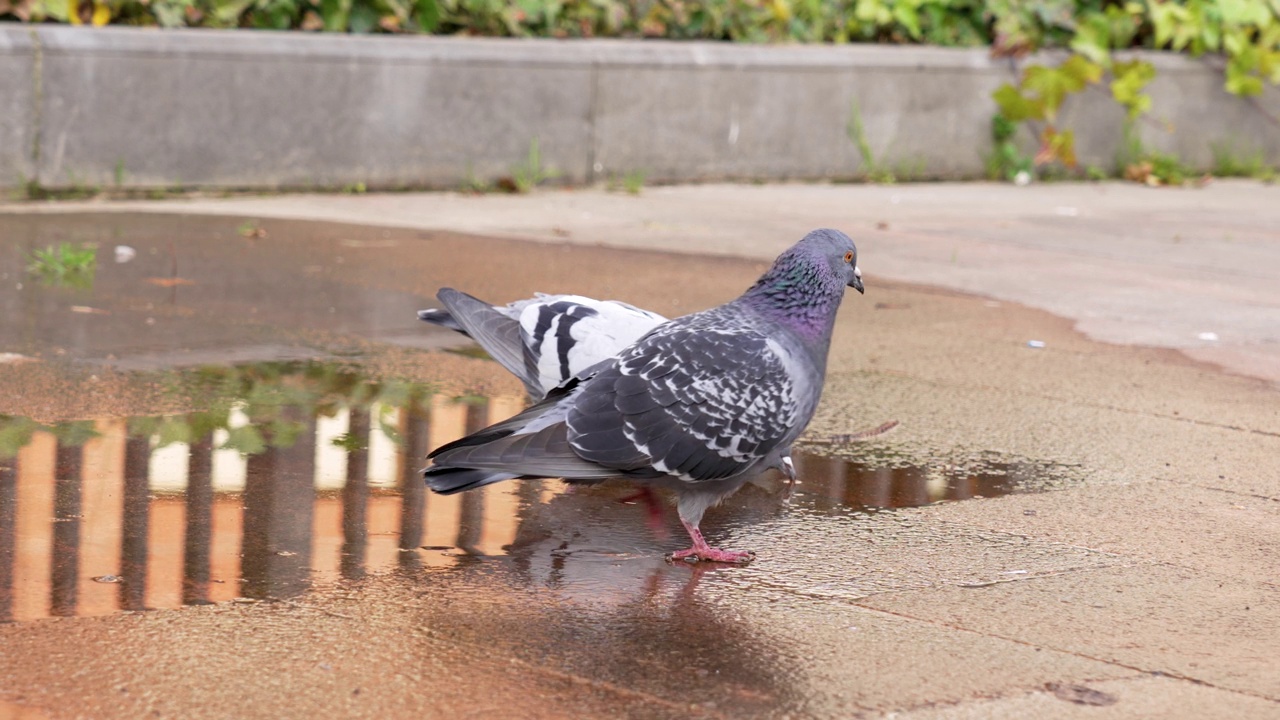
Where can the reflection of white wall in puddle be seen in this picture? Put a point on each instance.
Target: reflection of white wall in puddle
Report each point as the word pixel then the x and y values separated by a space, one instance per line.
pixel 331 460
pixel 383 451
pixel 229 466
pixel 167 468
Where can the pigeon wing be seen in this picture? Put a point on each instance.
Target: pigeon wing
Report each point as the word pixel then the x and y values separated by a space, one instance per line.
pixel 692 400
pixel 564 334
pixel 497 333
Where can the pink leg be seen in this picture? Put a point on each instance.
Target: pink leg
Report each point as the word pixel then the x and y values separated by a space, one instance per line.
pixel 701 551
pixel 654 506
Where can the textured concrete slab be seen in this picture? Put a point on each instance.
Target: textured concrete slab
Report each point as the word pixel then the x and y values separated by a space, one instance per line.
pixel 283 113
pixel 1207 530
pixel 1146 697
pixel 720 122
pixel 1127 264
pixel 1130 580
pixel 656 649
pixel 1199 626
pixel 18 107
pixel 260 109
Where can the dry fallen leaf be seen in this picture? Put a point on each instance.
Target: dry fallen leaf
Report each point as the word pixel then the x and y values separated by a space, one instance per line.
pixel 170 281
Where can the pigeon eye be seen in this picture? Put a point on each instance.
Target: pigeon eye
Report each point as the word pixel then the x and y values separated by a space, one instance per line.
pixel 848 257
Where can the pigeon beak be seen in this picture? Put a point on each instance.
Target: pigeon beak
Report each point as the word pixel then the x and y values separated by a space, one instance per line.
pixel 856 282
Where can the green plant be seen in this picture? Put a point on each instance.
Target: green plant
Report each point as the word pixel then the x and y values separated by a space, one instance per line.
pixel 1006 161
pixel 1246 32
pixel 474 184
pixel 65 265
pixel 355 188
pixel 633 182
pixel 251 229
pixel 1037 99
pixel 1136 162
pixel 1228 162
pixel 530 173
pixel 857 134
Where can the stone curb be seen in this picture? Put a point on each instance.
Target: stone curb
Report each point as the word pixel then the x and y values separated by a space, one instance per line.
pixel 252 109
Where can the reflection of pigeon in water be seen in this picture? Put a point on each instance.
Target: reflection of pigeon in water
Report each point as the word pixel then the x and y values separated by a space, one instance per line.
pixel 546 339
pixel 697 406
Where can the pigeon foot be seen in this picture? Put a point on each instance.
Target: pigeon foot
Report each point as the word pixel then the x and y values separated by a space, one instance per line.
pixel 710 554
pixel 702 552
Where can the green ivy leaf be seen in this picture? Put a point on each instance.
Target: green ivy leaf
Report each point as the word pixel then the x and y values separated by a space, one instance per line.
pixel 1243 84
pixel 1093 39
pixel 363 18
pixel 906 15
pixel 1126 87
pixel 428 15
pixel 1123 23
pixel 1081 72
pixel 1015 106
pixel 873 12
pixel 1057 145
pixel 1171 23
pixel 335 14
pixel 1054 84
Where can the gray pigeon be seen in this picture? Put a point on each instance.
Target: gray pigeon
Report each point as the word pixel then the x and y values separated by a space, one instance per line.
pixel 547 339
pixel 697 406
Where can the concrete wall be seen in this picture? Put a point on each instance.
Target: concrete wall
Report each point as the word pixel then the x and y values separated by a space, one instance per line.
pixel 260 109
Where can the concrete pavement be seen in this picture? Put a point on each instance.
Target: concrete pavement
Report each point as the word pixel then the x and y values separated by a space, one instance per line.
pixel 1195 269
pixel 1134 576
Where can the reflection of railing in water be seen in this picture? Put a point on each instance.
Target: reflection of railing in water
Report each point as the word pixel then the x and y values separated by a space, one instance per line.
pixel 873 485
pixel 323 493
pixel 72 513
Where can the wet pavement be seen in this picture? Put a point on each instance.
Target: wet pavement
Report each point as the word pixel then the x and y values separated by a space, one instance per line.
pixel 298 474
pixel 209 503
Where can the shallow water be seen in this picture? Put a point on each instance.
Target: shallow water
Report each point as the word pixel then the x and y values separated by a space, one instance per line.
pixel 212 419
pixel 299 474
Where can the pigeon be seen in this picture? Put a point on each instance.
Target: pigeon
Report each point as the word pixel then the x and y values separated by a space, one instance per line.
pixel 697 406
pixel 547 339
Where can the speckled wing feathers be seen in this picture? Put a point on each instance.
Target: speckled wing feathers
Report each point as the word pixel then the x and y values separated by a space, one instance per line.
pixel 702 399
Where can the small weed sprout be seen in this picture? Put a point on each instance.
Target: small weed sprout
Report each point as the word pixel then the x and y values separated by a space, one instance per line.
pixel 531 173
pixel 65 265
pixel 857 132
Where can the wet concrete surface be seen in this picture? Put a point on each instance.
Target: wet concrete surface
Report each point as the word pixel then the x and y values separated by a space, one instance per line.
pixel 1195 269
pixel 209 504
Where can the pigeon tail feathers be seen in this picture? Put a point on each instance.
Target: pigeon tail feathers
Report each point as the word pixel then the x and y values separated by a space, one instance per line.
pixel 442 318
pixel 498 334
pixel 450 480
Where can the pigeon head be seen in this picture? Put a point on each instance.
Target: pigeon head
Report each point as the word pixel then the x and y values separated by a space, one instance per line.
pixel 807 281
pixel 839 253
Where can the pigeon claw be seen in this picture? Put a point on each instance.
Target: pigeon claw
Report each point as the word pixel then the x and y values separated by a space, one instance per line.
pixel 716 555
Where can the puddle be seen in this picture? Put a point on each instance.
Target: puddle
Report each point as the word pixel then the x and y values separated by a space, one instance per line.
pixel 150 291
pixel 870 481
pixel 216 458
pixel 296 474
